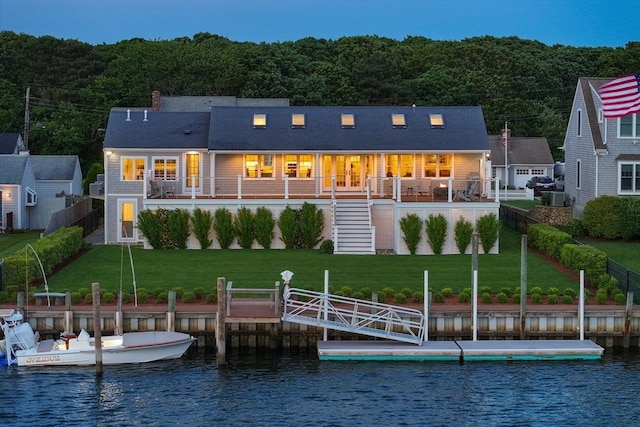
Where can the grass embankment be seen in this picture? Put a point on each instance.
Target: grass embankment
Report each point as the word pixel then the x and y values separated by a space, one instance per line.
pixel 11 243
pixel 168 269
pixel 626 253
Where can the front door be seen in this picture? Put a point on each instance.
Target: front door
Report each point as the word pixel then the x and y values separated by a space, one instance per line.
pixel 348 173
pixel 127 231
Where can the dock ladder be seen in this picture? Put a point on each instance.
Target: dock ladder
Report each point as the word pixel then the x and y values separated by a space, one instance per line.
pixel 353 315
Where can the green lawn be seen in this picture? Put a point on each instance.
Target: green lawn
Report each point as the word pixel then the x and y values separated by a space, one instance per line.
pixel 10 243
pixel 522 204
pixel 188 269
pixel 626 253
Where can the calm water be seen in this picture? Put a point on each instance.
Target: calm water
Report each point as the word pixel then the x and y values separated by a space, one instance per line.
pixel 295 389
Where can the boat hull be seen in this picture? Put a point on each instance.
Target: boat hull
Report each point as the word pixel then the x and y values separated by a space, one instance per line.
pixel 133 347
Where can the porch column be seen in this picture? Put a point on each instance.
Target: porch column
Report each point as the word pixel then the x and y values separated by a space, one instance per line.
pixel 212 175
pixel 318 175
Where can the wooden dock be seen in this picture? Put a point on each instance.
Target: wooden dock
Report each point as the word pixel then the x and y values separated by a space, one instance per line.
pixel 461 350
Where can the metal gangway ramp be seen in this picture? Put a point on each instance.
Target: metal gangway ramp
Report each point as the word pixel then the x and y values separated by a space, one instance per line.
pixel 353 315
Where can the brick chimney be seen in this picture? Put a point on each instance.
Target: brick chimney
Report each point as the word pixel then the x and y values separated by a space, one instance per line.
pixel 155 100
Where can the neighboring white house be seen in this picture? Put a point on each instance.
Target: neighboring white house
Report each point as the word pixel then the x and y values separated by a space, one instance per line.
pixel 17 192
pixel 526 157
pixel 602 156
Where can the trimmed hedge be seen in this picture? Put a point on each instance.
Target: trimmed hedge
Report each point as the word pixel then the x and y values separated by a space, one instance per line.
pixel 584 257
pixel 547 239
pixel 52 251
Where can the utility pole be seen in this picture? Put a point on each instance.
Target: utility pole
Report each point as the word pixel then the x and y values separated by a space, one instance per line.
pixel 505 142
pixel 26 121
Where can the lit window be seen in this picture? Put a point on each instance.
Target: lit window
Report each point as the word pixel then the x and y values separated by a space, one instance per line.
pixel 259 120
pixel 437 165
pixel 258 165
pixel 297 120
pixel 165 168
pixel 398 121
pixel 192 162
pixel 132 168
pixel 399 165
pixel 298 166
pixel 436 120
pixel 348 121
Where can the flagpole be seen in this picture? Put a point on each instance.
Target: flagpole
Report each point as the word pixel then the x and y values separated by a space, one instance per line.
pixel 505 136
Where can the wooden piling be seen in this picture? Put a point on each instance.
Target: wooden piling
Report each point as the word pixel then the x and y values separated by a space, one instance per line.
pixel 119 318
pixel 68 314
pixel 97 327
pixel 221 322
pixel 523 286
pixel 626 338
pixel 171 312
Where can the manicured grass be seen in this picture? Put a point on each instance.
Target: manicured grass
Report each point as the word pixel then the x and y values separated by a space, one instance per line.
pixel 11 243
pixel 522 204
pixel 167 269
pixel 626 253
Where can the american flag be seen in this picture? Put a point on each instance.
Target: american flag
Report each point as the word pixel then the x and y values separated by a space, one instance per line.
pixel 621 97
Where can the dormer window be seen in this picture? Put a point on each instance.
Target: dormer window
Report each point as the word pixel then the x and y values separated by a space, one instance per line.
pixel 298 121
pixel 32 197
pixel 436 120
pixel 347 121
pixel 259 120
pixel 398 121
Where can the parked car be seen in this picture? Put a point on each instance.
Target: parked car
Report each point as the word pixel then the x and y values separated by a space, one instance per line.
pixel 541 183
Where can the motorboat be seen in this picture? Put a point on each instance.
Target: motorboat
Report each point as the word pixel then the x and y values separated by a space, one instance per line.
pixel 23 347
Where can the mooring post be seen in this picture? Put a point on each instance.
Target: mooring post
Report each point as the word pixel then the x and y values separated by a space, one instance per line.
pixel 171 312
pixel 20 302
pixel 97 327
pixel 426 302
pixel 68 314
pixel 523 285
pixel 221 322
pixel 119 320
pixel 628 312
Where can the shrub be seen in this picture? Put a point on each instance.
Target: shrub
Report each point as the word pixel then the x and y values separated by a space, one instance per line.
pixel 507 291
pixel 188 297
pixel 552 298
pixel 547 239
pixel 486 297
pixel 162 296
pixel 149 225
pixel 620 299
pixel 607 283
pixel 575 228
pixel 418 297
pixel 199 292
pixel 484 289
pixel 88 298
pixel 536 298
pixel 223 226
pixel 179 290
pixel 407 292
pixel 535 290
pixel 346 291
pixel 516 298
pixel 584 257
pixel 366 292
pixel 436 232
pixel 569 292
pixel 142 297
pixel 488 227
pixel 567 299
pixel 76 298
pixel 326 247
pixel 4 297
pixel 243 228
pixel 264 225
pixel 107 297
pixel 399 298
pixel 411 227
pixel 601 218
pixel 502 297
pixel 212 298
pixel 387 293
pixel 464 297
pixel 629 214
pixel 289 227
pixel 83 292
pixel 358 295
pixel 311 225
pixel 202 221
pixel 463 233
pixel 601 297
pixel 178 225
pixel 553 291
pixel 92 176
pixel 447 292
pixel 126 298
pixel 438 297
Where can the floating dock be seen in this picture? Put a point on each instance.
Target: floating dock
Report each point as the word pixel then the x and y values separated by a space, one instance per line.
pixel 461 350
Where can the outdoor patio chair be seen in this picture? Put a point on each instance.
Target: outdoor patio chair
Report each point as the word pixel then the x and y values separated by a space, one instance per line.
pixel 154 190
pixel 468 194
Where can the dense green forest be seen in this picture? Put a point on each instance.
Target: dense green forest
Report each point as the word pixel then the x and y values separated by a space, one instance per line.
pixel 73 84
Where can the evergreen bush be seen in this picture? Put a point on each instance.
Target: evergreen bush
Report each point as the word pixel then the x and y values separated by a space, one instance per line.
pixel 188 297
pixel 438 297
pixel 501 297
pixel 436 232
pixel 178 225
pixel 202 222
pixel 264 225
pixel 326 247
pixel 289 227
pixel 243 226
pixel 411 227
pixel 399 298
pixel 223 227
pixel 311 225
pixel 486 297
pixel 552 298
pixel 447 292
pixel 463 233
pixel 601 217
pixel 488 227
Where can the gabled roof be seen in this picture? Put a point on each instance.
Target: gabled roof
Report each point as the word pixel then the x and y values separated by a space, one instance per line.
pixel 161 130
pixel 54 168
pixel 521 151
pixel 232 129
pixel 12 169
pixel 588 86
pixel 10 143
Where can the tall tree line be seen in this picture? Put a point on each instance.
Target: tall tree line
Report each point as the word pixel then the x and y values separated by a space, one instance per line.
pixel 73 85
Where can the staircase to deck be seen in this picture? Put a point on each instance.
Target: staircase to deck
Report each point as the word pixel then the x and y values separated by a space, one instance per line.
pixel 353 232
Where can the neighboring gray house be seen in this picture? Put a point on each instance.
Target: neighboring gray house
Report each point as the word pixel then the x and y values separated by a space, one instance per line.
pixel 602 156
pixel 11 143
pixel 17 192
pixel 526 157
pixel 365 167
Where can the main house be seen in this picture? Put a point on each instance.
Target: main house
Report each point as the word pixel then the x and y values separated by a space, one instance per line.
pixel 365 167
pixel 602 156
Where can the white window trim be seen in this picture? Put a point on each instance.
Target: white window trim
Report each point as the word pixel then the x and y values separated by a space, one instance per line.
pixel 622 192
pixel 176 158
pixel 634 125
pixel 144 172
pixel 244 166
pixel 284 166
pixel 578 174
pixel 31 197
pixel 579 124
pixel 185 187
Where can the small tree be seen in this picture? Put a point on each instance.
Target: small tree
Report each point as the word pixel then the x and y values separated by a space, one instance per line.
pixel 223 226
pixel 149 226
pixel 411 227
pixel 463 231
pixel 243 227
pixel 488 227
pixel 289 227
pixel 436 232
pixel 178 224
pixel 311 225
pixel 202 222
pixel 264 224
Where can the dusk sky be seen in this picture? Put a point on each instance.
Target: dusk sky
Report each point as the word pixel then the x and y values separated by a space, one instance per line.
pixel 588 23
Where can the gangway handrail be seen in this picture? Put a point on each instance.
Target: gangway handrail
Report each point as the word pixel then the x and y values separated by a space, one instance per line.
pixel 354 315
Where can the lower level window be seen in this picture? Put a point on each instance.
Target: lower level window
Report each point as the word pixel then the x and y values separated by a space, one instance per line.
pixel 629 177
pixel 258 165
